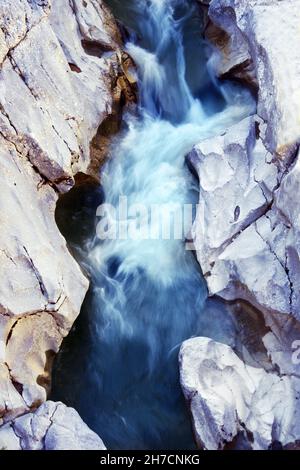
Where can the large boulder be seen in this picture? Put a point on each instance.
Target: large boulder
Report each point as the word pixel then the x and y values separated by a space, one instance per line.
pixel 248 247
pixel 53 426
pixel 232 401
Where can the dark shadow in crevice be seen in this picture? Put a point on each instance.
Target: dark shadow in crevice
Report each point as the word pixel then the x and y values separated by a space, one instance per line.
pixel 94 48
pixel 75 213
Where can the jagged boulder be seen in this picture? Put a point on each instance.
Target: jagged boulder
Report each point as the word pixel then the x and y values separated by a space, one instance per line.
pixel 246 230
pixel 53 426
pixel 262 36
pixel 232 401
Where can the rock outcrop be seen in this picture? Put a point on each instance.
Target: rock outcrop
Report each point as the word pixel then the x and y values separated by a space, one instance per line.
pixel 232 401
pixel 244 248
pixel 264 35
pixel 249 249
pixel 53 426
pixel 248 246
pixel 61 77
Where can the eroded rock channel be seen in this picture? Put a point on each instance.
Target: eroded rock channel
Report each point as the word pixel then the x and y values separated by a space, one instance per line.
pixel 119 365
pixel 178 105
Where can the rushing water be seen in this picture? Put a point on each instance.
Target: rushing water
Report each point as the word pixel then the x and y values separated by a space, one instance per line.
pixel 118 367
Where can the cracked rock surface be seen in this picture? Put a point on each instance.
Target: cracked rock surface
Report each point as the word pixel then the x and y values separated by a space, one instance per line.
pixel 247 231
pixel 53 426
pixel 230 399
pixel 59 69
pixel 244 246
pixel 264 35
pixel 249 249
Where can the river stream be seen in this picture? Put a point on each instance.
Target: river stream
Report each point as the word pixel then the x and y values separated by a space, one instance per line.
pixel 119 366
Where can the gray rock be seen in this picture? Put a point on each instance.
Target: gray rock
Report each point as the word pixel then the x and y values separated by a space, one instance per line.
pixel 237 179
pixel 229 399
pixel 54 94
pixel 247 246
pixel 247 234
pixel 265 33
pixel 53 426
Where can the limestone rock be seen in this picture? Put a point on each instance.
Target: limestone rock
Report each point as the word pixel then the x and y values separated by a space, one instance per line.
pixel 230 51
pixel 11 401
pixel 243 245
pixel 42 287
pixel 231 400
pixel 53 426
pixel 236 168
pixel 266 34
pixel 55 91
pixel 62 114
pixel 248 248
pixel 96 23
pixel 247 234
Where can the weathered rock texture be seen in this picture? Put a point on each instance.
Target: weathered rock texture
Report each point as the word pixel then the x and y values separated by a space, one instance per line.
pixel 249 249
pixel 53 426
pixel 230 399
pixel 247 229
pixel 60 77
pixel 264 35
pixel 240 244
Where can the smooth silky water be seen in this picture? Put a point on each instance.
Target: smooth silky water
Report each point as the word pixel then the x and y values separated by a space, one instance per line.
pixel 119 365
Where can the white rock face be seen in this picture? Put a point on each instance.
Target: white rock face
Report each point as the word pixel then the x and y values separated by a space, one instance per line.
pixel 248 248
pixel 266 33
pixel 247 233
pixel 228 397
pixel 53 426
pixel 55 91
pixel 237 179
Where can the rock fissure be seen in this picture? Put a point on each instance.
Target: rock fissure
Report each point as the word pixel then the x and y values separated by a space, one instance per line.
pixel 21 75
pixel 51 422
pixel 23 150
pixel 23 38
pixel 261 212
pixel 37 274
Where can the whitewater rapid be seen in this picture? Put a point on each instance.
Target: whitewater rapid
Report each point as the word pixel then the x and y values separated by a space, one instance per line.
pixel 119 366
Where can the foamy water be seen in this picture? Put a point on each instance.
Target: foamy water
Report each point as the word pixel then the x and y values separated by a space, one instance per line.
pixel 119 366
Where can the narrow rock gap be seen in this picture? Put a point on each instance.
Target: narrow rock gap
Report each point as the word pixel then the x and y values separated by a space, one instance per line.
pixel 76 219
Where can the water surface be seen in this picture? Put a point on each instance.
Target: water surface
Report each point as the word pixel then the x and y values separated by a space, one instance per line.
pixel 119 367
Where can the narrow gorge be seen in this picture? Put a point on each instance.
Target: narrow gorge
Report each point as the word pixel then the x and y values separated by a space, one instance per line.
pixel 147 295
pixel 150 166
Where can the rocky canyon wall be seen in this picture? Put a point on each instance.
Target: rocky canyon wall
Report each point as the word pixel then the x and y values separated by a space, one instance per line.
pixel 61 76
pixel 247 231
